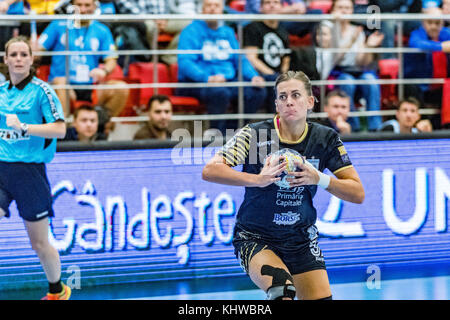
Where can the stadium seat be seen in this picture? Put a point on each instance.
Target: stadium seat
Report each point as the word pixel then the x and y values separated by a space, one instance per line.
pixel 42 72
pixel 324 5
pixel 296 41
pixel 180 103
pixel 238 5
pixel 142 72
pixel 388 69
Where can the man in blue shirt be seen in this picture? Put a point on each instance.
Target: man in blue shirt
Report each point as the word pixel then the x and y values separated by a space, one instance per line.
pixel 434 39
pixel 216 65
pixel 84 35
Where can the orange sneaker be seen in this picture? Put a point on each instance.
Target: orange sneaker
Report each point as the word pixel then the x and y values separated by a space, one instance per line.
pixel 63 295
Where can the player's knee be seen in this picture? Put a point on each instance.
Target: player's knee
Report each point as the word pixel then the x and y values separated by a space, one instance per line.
pixel 280 287
pixel 40 246
pixel 281 292
pixel 2 213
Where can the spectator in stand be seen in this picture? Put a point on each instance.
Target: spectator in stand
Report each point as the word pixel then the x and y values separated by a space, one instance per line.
pixel 8 30
pixel 84 35
pixel 85 126
pixel 288 7
pixel 337 107
pixel 270 36
pixel 159 118
pixel 171 27
pixel 407 119
pixel 216 65
pixel 42 7
pixel 355 65
pixel 434 39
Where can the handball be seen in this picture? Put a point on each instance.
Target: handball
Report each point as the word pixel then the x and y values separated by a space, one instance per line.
pixel 289 156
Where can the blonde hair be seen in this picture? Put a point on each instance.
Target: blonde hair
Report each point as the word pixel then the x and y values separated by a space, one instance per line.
pixel 18 39
pixel 297 75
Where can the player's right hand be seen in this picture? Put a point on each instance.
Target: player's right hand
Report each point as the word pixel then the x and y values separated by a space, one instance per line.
pixel 271 171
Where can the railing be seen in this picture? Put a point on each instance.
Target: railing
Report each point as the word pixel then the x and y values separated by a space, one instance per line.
pixel 240 115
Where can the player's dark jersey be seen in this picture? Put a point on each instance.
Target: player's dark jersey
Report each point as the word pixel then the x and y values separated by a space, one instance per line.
pixel 275 212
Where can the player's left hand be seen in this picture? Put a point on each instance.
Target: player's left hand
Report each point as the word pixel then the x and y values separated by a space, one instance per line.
pixel 307 175
pixel 13 121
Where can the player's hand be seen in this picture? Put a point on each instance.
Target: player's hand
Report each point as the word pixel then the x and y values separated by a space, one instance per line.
pixel 271 170
pixel 98 75
pixel 13 121
pixel 307 175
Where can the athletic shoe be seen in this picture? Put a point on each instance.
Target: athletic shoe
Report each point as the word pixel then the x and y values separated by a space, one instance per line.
pixel 63 295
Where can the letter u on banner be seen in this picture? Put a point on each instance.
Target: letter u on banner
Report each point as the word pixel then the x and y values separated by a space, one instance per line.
pixel 420 213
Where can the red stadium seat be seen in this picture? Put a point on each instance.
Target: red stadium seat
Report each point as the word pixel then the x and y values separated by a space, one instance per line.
pixel 142 72
pixel 324 5
pixel 42 72
pixel 238 5
pixel 388 69
pixel 296 41
pixel 183 104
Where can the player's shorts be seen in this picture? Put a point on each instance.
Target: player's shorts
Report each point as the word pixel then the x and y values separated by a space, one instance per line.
pixel 28 185
pixel 303 257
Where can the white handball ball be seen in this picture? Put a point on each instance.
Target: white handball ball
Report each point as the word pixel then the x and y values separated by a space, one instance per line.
pixel 290 156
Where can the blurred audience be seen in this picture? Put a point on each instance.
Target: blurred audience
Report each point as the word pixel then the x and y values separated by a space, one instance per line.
pixel 270 36
pixel 159 118
pixel 407 119
pixel 355 64
pixel 216 65
pixel 84 35
pixel 434 39
pixel 337 107
pixel 10 29
pixel 155 27
pixel 288 7
pixel 85 126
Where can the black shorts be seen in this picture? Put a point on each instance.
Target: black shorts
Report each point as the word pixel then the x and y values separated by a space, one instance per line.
pixel 303 257
pixel 28 185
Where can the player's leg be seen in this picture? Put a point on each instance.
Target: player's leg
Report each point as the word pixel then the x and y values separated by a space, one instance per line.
pixel 270 274
pixel 113 99
pixel 312 285
pixel 48 255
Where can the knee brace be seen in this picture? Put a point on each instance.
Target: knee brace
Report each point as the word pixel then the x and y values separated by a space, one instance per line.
pixel 280 292
pixel 279 289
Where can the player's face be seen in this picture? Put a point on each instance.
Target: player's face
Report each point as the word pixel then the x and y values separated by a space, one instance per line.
pixel 337 107
pixel 293 102
pixel 271 6
pixel 18 58
pixel 408 114
pixel 160 114
pixel 86 123
pixel 85 6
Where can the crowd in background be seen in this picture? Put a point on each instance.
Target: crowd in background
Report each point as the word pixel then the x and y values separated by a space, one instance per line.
pixel 92 109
